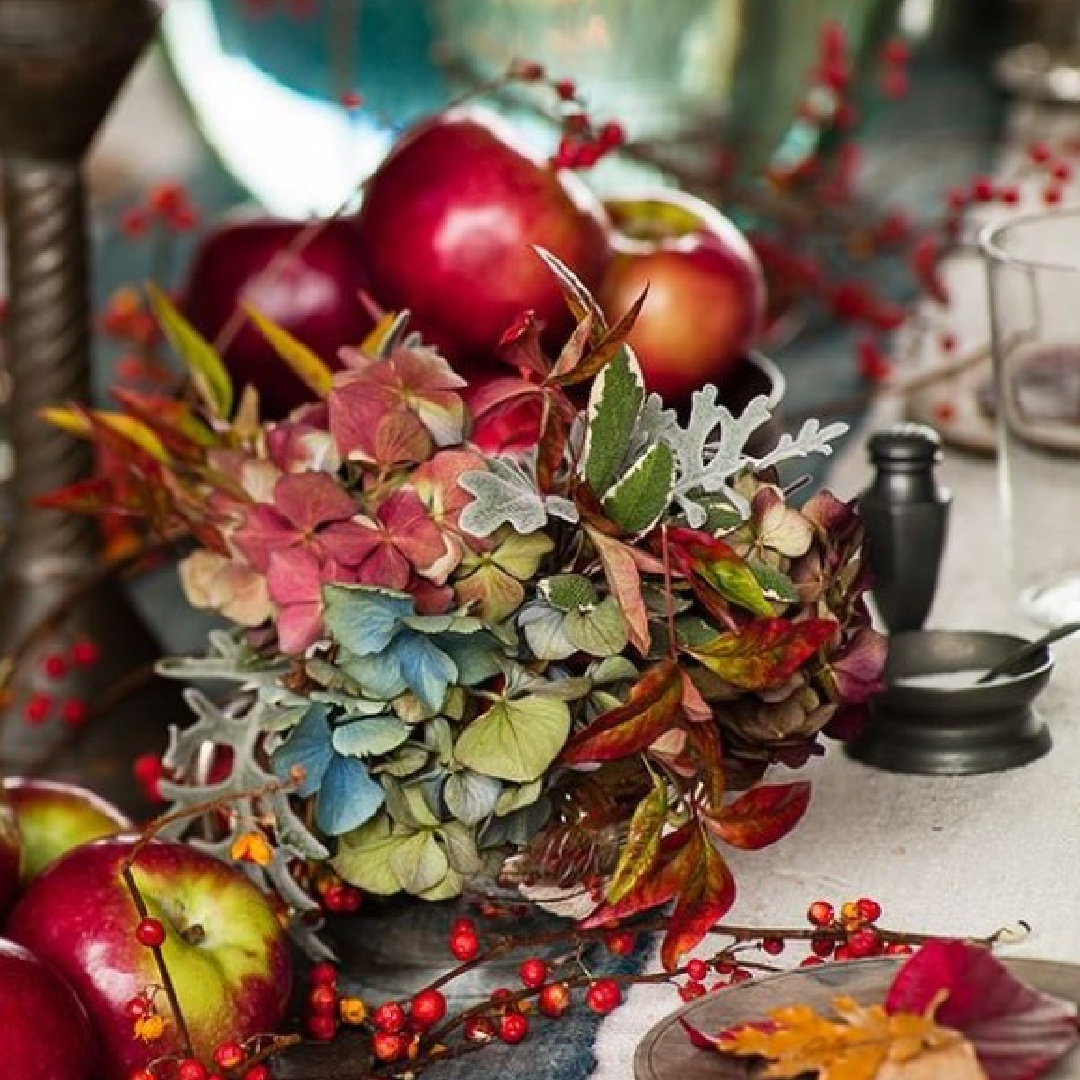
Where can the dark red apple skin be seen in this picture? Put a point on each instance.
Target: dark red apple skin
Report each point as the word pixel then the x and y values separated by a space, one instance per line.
pixel 79 918
pixel 314 293
pixel 447 225
pixel 10 852
pixel 45 1031
pixel 53 817
pixel 706 299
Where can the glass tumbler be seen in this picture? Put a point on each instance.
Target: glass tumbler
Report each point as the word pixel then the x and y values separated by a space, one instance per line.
pixel 1033 267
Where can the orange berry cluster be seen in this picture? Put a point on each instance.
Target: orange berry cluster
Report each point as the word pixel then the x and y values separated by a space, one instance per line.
pixel 848 934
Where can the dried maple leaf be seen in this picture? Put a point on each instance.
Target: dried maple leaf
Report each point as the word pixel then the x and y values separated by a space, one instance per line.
pixel 858 1045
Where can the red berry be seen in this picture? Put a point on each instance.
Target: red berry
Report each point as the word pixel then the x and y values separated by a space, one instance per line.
pixel 691 990
pixel 351 100
pixel 741 975
pixel 324 974
pixel 143 1074
pixel 603 996
pixel 323 1001
pixel 463 926
pixel 85 653
pixel 478 1029
pixel 870 910
pixel 811 961
pixel 612 135
pixel 896 51
pixel 620 942
pixel 465 946
pixel 389 1046
pixel 982 189
pixel 898 948
pixel 863 942
pixel 324 1028
pixel 533 973
pixel 228 1055
pixel 772 946
pixel 566 89
pixel 697 970
pixel 350 899
pixel 822 945
pixel 191 1069
pixel 37 708
pixel 390 1017
pixel 74 712
pixel 137 1008
pixel 54 666
pixel 843 953
pixel 1051 195
pixel 150 932
pixel 1039 152
pixel 554 1000
pixel 258 1072
pixel 821 913
pixel 513 1028
pixel 427 1009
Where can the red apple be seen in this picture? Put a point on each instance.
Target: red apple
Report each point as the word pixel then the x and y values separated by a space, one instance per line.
pixel 447 225
pixel 706 298
pixel 54 817
pixel 10 851
pixel 46 1033
pixel 314 292
pixel 224 946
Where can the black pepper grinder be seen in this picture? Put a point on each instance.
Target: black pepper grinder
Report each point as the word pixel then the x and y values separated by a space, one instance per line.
pixel 906 513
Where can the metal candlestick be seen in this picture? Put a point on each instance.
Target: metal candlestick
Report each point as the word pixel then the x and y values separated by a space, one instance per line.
pixel 62 64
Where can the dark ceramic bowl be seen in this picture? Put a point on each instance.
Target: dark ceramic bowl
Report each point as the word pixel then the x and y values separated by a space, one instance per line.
pixel 933 719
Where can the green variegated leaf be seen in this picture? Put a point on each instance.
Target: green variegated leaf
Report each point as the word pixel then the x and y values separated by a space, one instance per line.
pixel 614 404
pixel 601 631
pixel 638 500
pixel 207 369
pixel 777 585
pixel 515 740
pixel 569 592
pixel 642 845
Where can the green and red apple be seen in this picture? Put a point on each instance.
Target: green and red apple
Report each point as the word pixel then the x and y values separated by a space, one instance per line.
pixel 53 817
pixel 224 945
pixel 46 1034
pixel 706 292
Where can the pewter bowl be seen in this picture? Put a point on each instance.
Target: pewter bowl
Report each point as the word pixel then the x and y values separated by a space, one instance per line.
pixel 933 719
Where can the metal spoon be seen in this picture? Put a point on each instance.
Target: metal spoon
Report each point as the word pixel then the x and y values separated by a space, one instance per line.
pixel 1021 654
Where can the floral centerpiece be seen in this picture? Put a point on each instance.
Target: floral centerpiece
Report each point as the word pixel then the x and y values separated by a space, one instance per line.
pixel 575 652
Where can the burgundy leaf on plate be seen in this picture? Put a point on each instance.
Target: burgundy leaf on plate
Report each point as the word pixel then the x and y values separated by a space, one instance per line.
pixel 702 1040
pixel 1018 1032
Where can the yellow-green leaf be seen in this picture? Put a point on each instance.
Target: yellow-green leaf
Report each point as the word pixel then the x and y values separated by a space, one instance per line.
pixel 515 739
pixel 642 844
pixel 69 418
pixel 207 369
pixel 305 362
pixel 135 431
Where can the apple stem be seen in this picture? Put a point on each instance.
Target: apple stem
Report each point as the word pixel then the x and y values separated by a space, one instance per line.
pixel 128 874
pixel 194 934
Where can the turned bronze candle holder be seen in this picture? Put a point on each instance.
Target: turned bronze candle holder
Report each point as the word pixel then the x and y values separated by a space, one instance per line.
pixel 71 627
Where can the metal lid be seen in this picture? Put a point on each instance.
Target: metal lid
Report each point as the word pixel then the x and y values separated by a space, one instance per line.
pixel 905 443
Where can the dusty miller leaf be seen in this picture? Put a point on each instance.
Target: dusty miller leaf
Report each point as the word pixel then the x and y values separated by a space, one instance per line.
pixel 507 494
pixel 811 439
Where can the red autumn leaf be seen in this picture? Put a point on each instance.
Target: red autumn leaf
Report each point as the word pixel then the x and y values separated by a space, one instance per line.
pixel 764 653
pixel 703 902
pixel 761 816
pixel 676 864
pixel 624 581
pixel 94 496
pixel 174 423
pixel 1018 1032
pixel 653 707
pixel 520 346
pixel 702 1040
pixel 709 753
